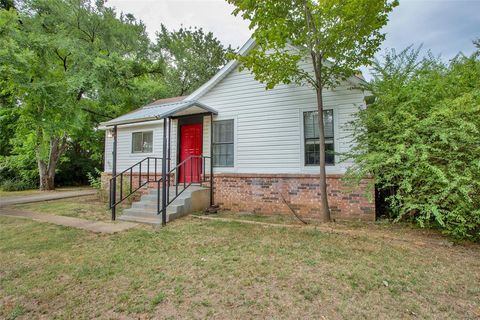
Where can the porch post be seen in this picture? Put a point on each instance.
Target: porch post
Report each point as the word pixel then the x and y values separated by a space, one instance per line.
pixel 169 141
pixel 211 160
pixel 169 153
pixel 113 192
pixel 164 173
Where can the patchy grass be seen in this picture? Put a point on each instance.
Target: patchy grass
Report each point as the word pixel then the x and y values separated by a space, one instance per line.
pixel 213 269
pixel 87 207
pixel 276 219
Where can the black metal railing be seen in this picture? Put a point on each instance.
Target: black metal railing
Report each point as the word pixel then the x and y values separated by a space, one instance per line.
pixel 180 174
pixel 145 174
pixel 197 175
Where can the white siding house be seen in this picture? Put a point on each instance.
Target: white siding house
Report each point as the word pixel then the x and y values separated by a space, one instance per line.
pixel 268 128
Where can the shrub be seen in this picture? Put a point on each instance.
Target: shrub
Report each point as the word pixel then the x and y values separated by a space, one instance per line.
pixel 421 138
pixel 95 180
pixel 17 185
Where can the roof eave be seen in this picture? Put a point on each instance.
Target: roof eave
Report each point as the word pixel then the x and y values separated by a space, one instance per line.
pixel 160 116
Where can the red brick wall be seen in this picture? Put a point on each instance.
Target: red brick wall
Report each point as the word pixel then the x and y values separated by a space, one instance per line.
pixel 260 193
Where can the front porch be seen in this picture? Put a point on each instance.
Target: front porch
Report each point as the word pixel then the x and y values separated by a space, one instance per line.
pixel 169 183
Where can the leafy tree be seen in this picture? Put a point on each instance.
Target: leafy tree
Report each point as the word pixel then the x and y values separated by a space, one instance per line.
pixel 193 57
pixel 66 65
pixel 7 4
pixel 334 37
pixel 420 140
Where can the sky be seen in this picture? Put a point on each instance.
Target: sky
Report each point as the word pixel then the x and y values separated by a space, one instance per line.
pixel 446 27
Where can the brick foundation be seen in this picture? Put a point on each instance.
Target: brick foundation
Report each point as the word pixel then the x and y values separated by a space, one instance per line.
pixel 260 193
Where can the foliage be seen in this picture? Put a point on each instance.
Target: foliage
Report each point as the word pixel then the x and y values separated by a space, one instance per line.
pixel 95 180
pixel 16 185
pixel 65 66
pixel 328 31
pixel 6 4
pixel 316 43
pixel 421 139
pixel 192 55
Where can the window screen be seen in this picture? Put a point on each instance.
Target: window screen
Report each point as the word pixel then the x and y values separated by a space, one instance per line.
pixel 223 143
pixel 312 143
pixel 142 142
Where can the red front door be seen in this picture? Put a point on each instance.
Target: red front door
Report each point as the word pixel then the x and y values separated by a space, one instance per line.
pixel 190 145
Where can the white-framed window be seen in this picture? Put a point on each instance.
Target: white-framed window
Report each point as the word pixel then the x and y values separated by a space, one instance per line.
pixel 223 143
pixel 311 138
pixel 142 142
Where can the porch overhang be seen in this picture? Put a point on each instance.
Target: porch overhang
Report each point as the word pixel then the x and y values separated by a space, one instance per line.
pixel 160 111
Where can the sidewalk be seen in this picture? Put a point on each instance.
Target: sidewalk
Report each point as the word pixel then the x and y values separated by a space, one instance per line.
pixel 7 201
pixel 89 225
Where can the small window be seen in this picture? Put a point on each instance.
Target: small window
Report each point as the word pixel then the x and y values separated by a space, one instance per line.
pixel 142 142
pixel 312 143
pixel 223 143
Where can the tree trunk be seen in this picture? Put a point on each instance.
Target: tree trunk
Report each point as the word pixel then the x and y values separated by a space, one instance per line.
pixel 47 181
pixel 324 208
pixel 317 67
pixel 47 170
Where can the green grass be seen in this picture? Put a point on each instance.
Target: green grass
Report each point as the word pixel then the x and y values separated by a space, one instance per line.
pixel 87 207
pixel 211 269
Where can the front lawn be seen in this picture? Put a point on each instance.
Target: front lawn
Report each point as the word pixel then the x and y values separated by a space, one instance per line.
pixel 87 207
pixel 213 269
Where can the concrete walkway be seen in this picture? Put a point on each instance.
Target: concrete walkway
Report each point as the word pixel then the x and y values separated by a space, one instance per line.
pixel 7 201
pixel 89 225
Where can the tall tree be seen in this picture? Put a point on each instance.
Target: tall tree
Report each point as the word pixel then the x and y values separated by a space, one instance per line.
pixel 68 64
pixel 337 37
pixel 193 57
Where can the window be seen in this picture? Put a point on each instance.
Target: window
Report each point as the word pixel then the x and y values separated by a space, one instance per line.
pixel 312 143
pixel 223 143
pixel 142 142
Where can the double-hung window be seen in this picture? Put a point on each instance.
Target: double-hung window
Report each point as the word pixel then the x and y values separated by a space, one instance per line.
pixel 312 142
pixel 142 142
pixel 223 143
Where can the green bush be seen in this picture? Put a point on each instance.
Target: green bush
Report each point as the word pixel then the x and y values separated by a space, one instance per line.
pixel 95 180
pixel 421 139
pixel 16 185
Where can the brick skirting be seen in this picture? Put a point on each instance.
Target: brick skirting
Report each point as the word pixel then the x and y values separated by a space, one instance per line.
pixel 260 193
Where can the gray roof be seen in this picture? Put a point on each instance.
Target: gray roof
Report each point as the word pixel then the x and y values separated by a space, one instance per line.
pixel 160 111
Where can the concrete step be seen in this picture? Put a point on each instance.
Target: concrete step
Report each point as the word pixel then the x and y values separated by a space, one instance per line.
pixel 145 210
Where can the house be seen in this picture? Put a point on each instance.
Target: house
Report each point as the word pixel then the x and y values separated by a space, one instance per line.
pixel 263 152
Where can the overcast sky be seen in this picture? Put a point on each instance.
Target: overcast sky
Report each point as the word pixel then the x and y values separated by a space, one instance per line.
pixel 443 26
